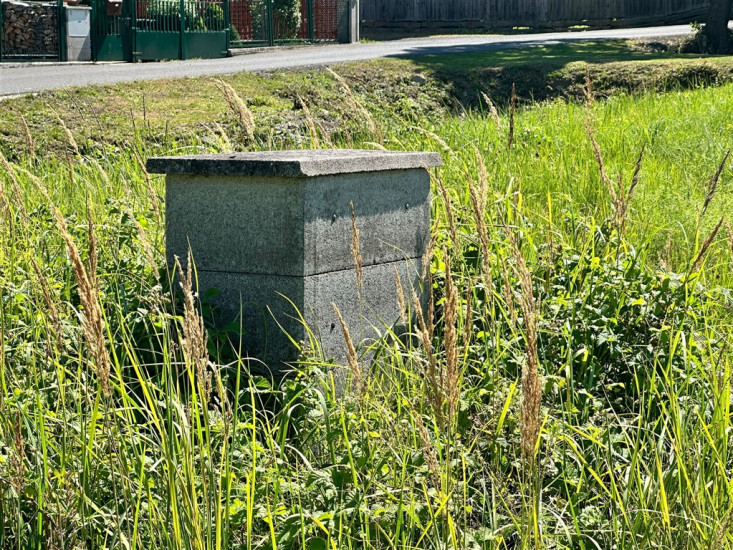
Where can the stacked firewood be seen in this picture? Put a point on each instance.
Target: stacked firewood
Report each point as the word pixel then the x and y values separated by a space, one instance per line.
pixel 29 28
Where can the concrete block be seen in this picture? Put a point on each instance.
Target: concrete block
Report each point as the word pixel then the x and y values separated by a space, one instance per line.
pixel 297 226
pixel 272 310
pixel 273 232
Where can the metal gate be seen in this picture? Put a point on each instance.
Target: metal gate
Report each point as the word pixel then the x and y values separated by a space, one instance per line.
pixel 270 22
pixel 141 30
pixel 111 30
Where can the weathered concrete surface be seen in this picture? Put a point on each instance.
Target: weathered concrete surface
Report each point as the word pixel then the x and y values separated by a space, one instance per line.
pixel 273 233
pixel 292 164
pixel 293 225
pixel 274 309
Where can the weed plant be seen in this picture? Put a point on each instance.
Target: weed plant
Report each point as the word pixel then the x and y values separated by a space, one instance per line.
pixel 568 385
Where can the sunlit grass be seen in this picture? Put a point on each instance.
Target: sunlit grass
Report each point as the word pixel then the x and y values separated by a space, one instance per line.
pixel 632 327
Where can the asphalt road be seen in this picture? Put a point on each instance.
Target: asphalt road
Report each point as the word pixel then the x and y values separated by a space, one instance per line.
pixel 19 79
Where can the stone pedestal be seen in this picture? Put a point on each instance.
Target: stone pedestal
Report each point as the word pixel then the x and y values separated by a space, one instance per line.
pixel 272 232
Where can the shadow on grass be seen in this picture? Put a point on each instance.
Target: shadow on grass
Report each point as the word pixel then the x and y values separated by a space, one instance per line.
pixel 542 71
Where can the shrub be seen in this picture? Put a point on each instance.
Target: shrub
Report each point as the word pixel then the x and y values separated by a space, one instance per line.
pixel 214 17
pixel 285 12
pixel 166 15
pixel 234 34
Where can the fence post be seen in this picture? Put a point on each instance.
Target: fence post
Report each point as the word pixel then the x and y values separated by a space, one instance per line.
pixel 63 30
pixel 270 12
pixel 311 23
pixel 348 21
pixel 181 41
pixel 354 19
pixel 227 26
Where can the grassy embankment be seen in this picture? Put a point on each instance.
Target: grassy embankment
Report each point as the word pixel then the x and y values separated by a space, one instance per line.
pixel 571 388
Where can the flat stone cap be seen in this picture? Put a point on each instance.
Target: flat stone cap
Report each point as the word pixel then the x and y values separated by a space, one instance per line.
pixel 293 163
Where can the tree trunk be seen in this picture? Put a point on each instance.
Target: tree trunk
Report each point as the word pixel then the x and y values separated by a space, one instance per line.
pixel 716 27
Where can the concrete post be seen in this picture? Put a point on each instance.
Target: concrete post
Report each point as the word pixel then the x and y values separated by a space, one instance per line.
pixel 349 19
pixel 272 231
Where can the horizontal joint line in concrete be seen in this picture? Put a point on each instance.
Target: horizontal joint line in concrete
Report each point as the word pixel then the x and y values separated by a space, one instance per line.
pixel 227 272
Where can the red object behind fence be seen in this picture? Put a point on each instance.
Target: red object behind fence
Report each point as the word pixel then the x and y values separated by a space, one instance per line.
pixel 325 20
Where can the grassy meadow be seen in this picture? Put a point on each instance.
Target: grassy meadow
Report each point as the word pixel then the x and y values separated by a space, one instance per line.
pixel 569 385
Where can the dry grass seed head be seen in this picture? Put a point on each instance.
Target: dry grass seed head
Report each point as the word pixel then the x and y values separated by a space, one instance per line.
pixel 194 334
pixel 625 196
pixel 376 145
pixel 435 397
pixel 355 248
pixel 493 113
pixel 479 196
pixel 599 159
pixel 29 143
pixel 92 255
pixel 239 108
pixel 223 137
pixel 400 297
pixel 431 308
pixel 18 456
pixel 620 197
pixel 668 252
pixel 310 123
pixel 436 138
pixel 697 264
pixel 354 104
pixel 92 316
pixel 102 172
pixel 351 355
pixel 468 320
pixel 713 184
pixel 512 111
pixel 71 142
pixel 427 257
pixel 4 202
pixel 450 340
pixel 428 448
pixel 50 304
pixel 589 95
pixel 724 529
pixel 325 136
pixel 70 169
pixel 531 381
pixel 17 191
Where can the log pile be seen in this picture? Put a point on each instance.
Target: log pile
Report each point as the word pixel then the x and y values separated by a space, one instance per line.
pixel 29 28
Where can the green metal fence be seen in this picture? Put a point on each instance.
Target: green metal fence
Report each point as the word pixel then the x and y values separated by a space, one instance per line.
pixel 270 22
pixel 180 29
pixel 111 32
pixel 141 30
pixel 32 30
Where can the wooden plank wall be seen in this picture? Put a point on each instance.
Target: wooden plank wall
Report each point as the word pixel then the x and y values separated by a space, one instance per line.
pixel 530 13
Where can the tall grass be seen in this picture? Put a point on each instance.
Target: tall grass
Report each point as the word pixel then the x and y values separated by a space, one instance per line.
pixel 563 389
